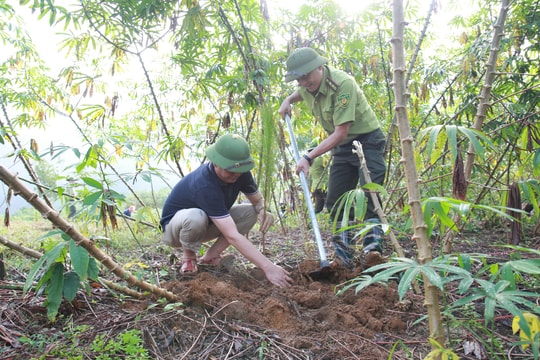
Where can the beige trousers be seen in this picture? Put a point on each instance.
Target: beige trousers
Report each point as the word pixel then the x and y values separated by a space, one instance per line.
pixel 189 228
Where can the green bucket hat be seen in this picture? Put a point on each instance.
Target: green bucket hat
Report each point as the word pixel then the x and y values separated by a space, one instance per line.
pixel 301 62
pixel 231 152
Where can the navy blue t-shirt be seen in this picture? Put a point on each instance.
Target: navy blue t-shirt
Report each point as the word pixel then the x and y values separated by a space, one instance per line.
pixel 202 189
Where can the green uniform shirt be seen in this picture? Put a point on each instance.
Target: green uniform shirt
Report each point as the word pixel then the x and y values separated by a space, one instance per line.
pixel 338 101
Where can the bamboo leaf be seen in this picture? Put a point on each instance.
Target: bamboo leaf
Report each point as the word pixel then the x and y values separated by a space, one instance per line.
pixel 360 204
pixel 405 283
pixel 93 269
pixel 467 300
pixel 536 163
pixel 528 266
pixel 465 284
pixel 464 260
pixel 434 278
pixel 430 146
pixel 433 132
pixel 451 131
pixel 92 198
pixel 473 137
pixel 489 310
pixel 450 268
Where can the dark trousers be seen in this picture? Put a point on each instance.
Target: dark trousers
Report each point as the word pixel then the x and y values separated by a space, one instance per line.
pixel 345 170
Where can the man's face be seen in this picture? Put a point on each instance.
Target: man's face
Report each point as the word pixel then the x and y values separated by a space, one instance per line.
pixel 312 80
pixel 226 175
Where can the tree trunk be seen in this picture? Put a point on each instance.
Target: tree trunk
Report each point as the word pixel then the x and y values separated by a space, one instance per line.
pixel 407 149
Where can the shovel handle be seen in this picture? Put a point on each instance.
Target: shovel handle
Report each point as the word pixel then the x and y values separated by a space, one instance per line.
pixel 307 196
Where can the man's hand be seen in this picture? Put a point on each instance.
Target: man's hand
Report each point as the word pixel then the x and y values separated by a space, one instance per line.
pixel 266 220
pixel 285 108
pixel 278 276
pixel 302 166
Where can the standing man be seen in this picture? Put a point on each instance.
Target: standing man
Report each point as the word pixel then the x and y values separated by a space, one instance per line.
pixel 201 207
pixel 339 105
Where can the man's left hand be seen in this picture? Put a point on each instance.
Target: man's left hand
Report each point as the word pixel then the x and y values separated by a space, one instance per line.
pixel 266 219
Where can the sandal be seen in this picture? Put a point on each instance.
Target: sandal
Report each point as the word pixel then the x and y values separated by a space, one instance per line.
pixel 189 266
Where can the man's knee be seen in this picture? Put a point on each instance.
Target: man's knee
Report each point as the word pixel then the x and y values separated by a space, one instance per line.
pixel 185 226
pixel 244 217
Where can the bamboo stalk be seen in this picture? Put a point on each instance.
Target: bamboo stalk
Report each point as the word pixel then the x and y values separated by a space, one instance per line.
pixel 485 94
pixel 54 217
pixel 407 148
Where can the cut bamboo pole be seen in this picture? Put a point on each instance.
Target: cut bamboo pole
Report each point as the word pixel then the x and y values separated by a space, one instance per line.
pixel 54 217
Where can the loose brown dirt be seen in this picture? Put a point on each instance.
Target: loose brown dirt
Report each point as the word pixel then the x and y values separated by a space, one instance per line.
pixel 233 312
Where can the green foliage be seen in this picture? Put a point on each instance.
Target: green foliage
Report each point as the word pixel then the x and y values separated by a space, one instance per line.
pixel 267 160
pixel 127 345
pixel 493 284
pixel 355 201
pixel 39 341
pixel 224 60
pixel 530 194
pixel 439 352
pixel 439 211
pixel 445 137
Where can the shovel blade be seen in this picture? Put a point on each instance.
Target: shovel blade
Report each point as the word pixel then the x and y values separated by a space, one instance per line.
pixel 322 274
pixel 325 272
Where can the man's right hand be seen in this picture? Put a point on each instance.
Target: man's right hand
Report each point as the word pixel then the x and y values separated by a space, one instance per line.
pixel 285 108
pixel 278 276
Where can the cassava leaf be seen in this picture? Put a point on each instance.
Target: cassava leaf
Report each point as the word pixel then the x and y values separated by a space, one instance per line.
pixel 72 283
pixel 55 291
pixel 79 259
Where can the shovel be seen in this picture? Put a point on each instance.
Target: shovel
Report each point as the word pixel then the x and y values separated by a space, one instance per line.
pixel 324 271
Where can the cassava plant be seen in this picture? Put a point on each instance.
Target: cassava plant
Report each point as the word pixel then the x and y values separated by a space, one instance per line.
pixel 61 272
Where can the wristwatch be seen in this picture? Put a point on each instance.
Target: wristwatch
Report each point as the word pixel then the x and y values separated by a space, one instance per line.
pixel 309 160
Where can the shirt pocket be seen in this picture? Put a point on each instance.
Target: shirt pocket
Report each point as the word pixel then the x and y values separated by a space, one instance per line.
pixel 327 113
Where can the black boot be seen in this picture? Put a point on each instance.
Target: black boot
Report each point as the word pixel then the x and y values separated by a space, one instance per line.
pixel 373 240
pixel 344 248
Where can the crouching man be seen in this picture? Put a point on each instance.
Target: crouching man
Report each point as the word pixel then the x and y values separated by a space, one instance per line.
pixel 201 207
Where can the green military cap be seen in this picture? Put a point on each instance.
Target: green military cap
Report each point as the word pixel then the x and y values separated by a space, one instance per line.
pixel 231 152
pixel 301 62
